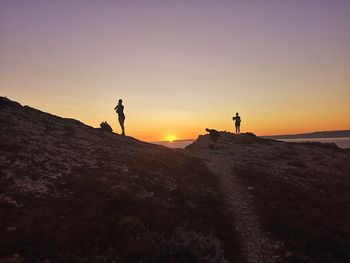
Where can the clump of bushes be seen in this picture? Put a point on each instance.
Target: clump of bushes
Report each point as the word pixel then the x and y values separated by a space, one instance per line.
pixel 188 246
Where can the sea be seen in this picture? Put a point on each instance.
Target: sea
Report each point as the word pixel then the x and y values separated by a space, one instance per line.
pixel 175 144
pixel 341 142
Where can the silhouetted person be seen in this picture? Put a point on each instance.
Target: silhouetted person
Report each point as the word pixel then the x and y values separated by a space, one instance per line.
pixel 237 120
pixel 121 117
pixel 214 134
pixel 105 126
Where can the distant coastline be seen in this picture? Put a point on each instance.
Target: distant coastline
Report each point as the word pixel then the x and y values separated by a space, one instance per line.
pixel 312 135
pixel 340 137
pixel 316 135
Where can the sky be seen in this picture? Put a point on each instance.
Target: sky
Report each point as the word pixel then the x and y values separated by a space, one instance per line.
pixel 181 66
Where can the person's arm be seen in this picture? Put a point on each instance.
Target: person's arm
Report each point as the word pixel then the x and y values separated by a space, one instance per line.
pixel 116 107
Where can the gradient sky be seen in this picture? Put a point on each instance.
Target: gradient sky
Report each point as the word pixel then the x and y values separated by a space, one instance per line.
pixel 181 66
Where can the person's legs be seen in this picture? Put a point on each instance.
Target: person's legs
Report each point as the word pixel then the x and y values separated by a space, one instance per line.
pixel 121 122
pixel 236 129
pixel 239 129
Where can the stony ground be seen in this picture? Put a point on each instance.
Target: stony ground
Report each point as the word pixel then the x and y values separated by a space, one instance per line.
pixel 257 246
pixel 72 193
pixel 290 202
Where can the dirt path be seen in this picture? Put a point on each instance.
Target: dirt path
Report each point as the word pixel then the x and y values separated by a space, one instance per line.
pixel 256 246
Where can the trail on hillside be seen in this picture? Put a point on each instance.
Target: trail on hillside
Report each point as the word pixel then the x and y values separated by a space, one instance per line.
pixel 70 192
pixel 256 246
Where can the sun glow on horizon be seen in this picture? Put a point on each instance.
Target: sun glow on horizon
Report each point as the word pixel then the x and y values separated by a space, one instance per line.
pixel 170 138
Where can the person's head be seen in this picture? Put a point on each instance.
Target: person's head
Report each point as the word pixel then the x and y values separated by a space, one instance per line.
pixel 120 101
pixel 236 113
pixel 207 129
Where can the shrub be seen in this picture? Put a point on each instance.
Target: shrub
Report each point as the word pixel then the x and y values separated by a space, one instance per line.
pixel 188 246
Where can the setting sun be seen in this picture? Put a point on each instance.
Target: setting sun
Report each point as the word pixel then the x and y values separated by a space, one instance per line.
pixel 170 138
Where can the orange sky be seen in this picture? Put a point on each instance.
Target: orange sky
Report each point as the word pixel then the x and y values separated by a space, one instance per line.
pixel 181 66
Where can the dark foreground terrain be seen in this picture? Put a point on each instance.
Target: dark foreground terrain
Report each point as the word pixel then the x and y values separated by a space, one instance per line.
pixel 72 193
pixel 294 198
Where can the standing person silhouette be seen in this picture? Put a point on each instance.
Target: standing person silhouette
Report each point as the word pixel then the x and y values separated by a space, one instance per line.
pixel 237 120
pixel 121 117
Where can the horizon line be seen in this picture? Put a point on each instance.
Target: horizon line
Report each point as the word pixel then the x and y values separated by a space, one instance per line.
pixel 290 134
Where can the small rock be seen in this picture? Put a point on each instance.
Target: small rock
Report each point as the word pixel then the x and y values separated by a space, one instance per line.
pixel 11 228
pixel 276 246
pixel 288 254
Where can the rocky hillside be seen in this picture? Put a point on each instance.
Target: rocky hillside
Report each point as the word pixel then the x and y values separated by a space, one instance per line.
pixel 72 193
pixel 290 201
